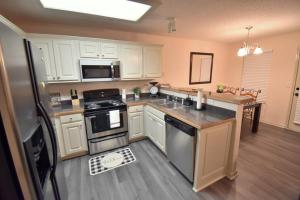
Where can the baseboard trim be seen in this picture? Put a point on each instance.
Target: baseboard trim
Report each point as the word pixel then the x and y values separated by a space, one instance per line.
pixel 77 154
pixel 136 139
pixel 274 124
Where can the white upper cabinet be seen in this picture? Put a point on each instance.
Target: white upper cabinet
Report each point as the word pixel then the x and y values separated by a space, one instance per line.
pixel 152 59
pixel 66 59
pixel 109 50
pixel 62 54
pixel 48 56
pixel 89 49
pixel 131 57
pixel 96 49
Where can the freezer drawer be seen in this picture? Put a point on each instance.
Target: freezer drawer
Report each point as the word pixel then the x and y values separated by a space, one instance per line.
pixel 99 145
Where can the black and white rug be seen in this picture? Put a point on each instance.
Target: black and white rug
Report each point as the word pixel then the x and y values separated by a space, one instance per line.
pixel 111 160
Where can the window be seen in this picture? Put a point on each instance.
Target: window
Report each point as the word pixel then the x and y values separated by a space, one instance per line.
pixel 256 73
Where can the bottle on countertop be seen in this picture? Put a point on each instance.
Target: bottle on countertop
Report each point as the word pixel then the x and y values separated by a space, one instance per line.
pixel 199 100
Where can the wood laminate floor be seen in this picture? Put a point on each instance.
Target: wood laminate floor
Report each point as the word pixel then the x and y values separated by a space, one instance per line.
pixel 268 166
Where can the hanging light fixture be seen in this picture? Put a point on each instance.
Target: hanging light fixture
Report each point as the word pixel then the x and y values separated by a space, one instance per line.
pixel 171 24
pixel 247 49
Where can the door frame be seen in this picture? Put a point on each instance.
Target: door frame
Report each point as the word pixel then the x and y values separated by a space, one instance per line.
pixel 296 71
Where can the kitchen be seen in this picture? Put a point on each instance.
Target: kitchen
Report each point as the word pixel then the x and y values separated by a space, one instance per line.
pixel 133 116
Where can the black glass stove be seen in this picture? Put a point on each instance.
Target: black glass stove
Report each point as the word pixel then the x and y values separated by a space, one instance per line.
pixel 103 99
pixel 102 105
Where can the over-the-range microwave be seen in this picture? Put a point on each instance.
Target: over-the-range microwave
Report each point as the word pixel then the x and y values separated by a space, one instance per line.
pixel 99 70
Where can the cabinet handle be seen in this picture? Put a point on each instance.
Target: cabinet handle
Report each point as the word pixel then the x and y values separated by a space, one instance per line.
pixel 98 55
pixel 58 77
pixel 53 78
pixel 70 118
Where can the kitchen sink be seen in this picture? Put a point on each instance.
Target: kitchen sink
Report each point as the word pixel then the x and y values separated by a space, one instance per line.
pixel 167 104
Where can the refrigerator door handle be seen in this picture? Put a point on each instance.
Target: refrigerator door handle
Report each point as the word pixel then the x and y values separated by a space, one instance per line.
pixel 50 128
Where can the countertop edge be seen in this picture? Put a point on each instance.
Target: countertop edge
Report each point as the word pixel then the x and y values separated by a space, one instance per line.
pixel 207 125
pixel 228 98
pixel 77 110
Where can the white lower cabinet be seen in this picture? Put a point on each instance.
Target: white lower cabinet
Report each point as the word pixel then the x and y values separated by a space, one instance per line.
pixel 136 121
pixel 212 153
pixel 71 135
pixel 155 127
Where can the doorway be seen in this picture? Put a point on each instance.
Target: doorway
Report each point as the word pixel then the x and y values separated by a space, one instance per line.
pixel 294 117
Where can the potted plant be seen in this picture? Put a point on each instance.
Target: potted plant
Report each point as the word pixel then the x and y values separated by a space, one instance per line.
pixel 137 92
pixel 220 88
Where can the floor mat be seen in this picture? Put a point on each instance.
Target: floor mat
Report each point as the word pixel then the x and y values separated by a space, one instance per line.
pixel 111 160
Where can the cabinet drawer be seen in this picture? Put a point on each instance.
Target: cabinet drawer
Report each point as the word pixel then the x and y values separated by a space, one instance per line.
pixel 132 109
pixel 155 112
pixel 71 118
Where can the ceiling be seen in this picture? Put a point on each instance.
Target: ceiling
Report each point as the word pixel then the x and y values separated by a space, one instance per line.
pixel 217 20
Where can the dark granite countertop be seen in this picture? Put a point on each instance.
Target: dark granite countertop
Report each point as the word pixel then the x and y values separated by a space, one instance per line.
pixel 200 119
pixel 66 108
pixel 208 117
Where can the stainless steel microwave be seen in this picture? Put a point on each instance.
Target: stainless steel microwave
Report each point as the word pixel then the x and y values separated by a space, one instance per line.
pixel 99 70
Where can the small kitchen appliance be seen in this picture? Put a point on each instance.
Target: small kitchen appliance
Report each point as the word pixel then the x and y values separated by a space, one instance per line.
pixel 154 89
pixel 99 70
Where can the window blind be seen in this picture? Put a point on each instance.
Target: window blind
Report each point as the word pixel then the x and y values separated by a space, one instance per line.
pixel 256 73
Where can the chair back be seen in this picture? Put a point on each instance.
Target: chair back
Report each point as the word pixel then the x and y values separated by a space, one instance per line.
pixel 231 90
pixel 250 93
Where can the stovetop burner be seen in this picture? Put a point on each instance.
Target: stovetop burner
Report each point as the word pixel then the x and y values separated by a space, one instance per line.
pixel 102 99
pixel 102 104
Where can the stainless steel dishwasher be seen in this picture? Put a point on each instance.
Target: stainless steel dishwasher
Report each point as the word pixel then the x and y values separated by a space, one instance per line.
pixel 180 146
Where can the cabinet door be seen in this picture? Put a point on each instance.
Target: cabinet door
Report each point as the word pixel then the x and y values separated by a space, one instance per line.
pixel 74 137
pixel 131 61
pixel 149 125
pixel 152 59
pixel 109 50
pixel 136 124
pixel 160 134
pixel 66 59
pixel 89 49
pixel 48 56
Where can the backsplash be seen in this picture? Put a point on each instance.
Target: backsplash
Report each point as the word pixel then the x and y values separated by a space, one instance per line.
pixel 64 88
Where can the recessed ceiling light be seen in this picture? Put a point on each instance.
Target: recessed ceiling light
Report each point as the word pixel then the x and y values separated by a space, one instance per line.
pixel 120 9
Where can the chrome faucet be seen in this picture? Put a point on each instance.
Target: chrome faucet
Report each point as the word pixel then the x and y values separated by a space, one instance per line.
pixel 168 97
pixel 175 99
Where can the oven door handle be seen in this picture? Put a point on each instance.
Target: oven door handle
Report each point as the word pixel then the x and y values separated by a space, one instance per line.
pixel 91 117
pixel 112 71
pixel 107 138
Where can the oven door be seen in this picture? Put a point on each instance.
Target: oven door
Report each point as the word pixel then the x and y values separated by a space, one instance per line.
pixel 98 124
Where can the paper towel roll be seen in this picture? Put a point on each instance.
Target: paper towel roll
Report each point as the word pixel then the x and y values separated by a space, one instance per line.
pixel 199 99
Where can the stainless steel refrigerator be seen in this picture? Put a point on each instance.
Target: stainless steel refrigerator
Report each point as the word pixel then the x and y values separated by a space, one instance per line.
pixel 28 141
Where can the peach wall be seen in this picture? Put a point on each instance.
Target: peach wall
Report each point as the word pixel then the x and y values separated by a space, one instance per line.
pixel 227 67
pixel 276 109
pixel 176 51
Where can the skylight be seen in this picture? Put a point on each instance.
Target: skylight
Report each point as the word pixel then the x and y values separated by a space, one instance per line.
pixel 119 9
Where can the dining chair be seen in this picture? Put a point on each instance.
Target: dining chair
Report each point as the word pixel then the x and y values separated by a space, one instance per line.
pixel 231 90
pixel 248 113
